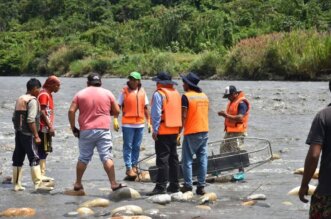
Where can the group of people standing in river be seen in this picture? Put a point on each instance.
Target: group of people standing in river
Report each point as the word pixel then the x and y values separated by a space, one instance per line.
pixel 169 115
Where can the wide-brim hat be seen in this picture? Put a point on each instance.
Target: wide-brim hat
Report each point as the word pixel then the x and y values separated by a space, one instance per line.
pixel 163 78
pixel 229 90
pixel 192 80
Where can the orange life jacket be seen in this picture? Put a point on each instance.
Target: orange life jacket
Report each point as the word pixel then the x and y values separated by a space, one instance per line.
pixel 21 114
pixel 197 114
pixel 133 106
pixel 171 118
pixel 232 109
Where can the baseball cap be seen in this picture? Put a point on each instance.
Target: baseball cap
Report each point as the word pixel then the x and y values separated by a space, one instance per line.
pixel 94 79
pixel 136 75
pixel 229 90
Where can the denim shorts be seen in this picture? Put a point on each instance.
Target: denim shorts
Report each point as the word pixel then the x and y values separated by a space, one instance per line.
pixel 99 138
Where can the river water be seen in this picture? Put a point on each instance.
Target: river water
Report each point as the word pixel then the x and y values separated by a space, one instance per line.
pixel 281 112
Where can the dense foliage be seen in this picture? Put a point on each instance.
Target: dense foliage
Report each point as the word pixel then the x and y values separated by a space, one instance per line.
pixel 243 39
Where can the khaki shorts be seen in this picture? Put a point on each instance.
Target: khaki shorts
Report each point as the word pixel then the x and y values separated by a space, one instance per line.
pixel 233 145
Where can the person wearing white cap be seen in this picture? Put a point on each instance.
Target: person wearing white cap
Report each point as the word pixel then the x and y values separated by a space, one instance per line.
pixel 236 120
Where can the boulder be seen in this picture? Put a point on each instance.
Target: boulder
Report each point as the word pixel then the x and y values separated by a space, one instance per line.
pixel 98 202
pixel 208 197
pixel 124 193
pixel 301 170
pixel 295 191
pixel 83 211
pixel 18 212
pixel 160 199
pixel 127 210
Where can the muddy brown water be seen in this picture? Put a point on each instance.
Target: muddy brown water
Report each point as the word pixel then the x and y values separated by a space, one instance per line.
pixel 281 112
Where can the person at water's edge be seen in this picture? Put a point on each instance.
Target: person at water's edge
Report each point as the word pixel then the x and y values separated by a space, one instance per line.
pixel 195 105
pixel 95 105
pixel 319 139
pixel 166 122
pixel 236 120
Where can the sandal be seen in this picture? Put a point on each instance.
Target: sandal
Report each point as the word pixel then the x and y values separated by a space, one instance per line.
pixel 119 187
pixel 80 188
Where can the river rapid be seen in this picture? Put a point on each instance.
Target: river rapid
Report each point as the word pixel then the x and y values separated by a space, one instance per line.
pixel 281 112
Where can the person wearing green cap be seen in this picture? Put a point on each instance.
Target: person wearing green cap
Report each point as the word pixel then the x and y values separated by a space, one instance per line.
pixel 134 104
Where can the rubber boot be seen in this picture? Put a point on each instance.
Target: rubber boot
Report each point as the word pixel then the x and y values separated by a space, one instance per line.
pixel 17 178
pixel 39 185
pixel 44 178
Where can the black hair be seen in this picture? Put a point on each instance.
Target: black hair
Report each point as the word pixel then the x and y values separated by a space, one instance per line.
pixel 32 83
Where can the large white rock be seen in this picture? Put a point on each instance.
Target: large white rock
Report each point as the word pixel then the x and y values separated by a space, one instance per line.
pixel 301 170
pixel 160 199
pixel 208 197
pixel 127 210
pixel 98 202
pixel 180 197
pixel 83 211
pixel 125 193
pixel 295 191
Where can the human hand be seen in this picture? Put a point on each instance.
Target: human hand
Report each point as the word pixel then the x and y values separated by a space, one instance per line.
pixel 149 127
pixel 116 125
pixel 222 113
pixel 52 131
pixel 302 192
pixel 178 140
pixel 37 140
pixel 75 131
pixel 154 136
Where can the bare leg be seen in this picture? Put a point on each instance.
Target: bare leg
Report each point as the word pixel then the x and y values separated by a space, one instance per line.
pixel 110 170
pixel 80 169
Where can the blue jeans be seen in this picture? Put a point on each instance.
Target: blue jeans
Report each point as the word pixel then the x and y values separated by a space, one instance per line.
pixel 195 144
pixel 132 138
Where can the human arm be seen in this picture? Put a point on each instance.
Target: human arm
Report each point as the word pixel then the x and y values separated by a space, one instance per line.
pixel 310 166
pixel 31 119
pixel 242 110
pixel 156 112
pixel 45 118
pixel 71 116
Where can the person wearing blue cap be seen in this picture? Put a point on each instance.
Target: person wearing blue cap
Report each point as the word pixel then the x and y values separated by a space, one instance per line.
pixel 195 105
pixel 166 122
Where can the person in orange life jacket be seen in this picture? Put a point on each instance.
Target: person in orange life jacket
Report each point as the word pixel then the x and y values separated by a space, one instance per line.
pixel 236 120
pixel 134 104
pixel 166 122
pixel 195 106
pixel 46 132
pixel 319 141
pixel 26 125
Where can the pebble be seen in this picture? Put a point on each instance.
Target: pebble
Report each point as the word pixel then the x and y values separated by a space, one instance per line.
pixel 301 170
pixel 249 203
pixel 275 156
pixel 204 207
pixel 257 197
pixel 287 203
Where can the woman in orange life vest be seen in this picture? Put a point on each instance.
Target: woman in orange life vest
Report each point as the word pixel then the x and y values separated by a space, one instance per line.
pixel 166 120
pixel 134 104
pixel 236 119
